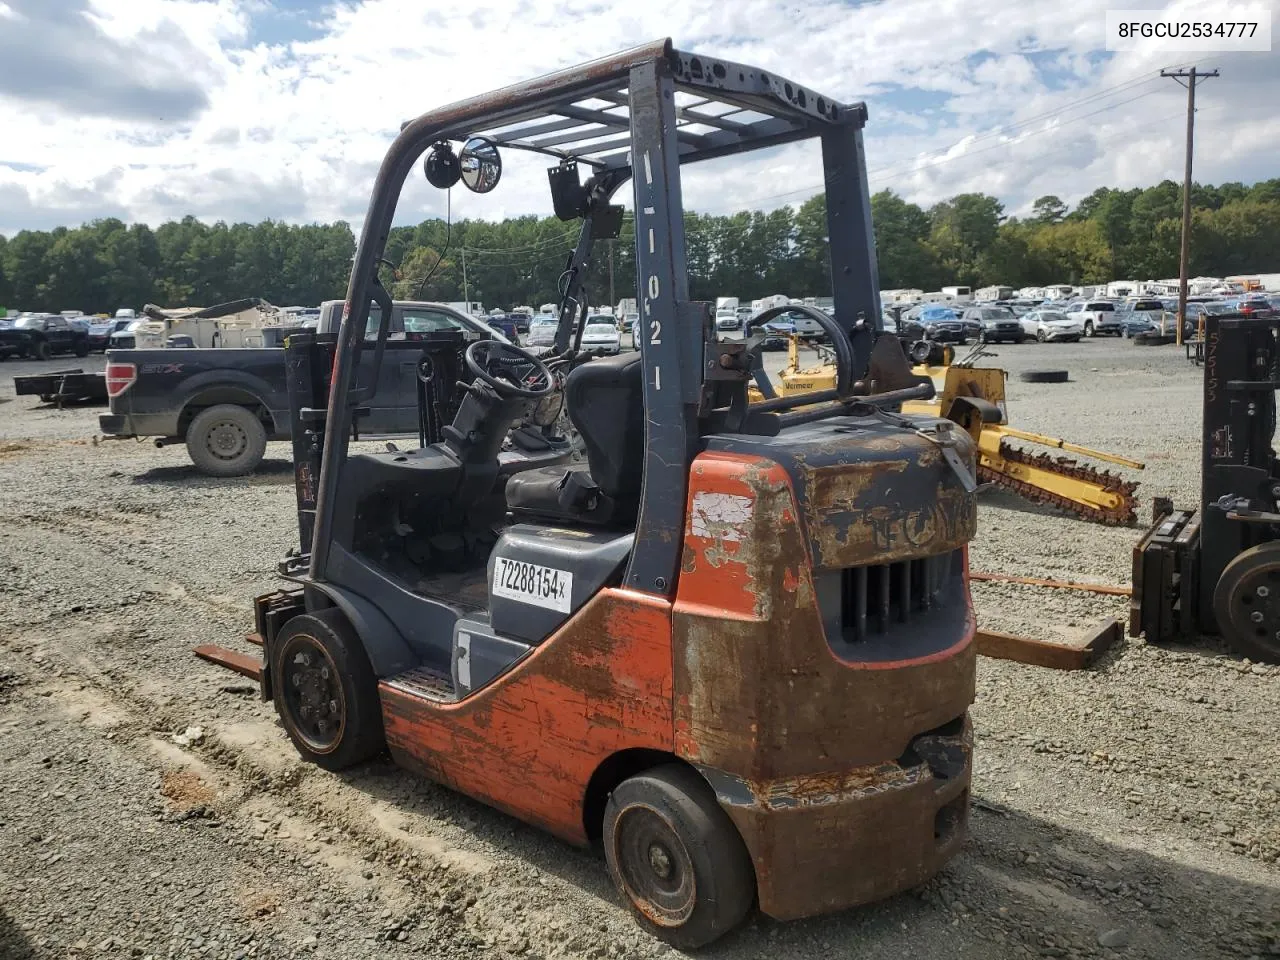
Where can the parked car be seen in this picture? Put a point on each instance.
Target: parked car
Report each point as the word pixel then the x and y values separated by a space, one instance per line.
pixel 777 333
pixel 506 323
pixel 124 336
pixel 40 336
pixel 100 332
pixel 800 323
pixel 931 321
pixel 1255 305
pixel 1144 315
pixel 1052 326
pixel 629 321
pixel 728 320
pixel 542 331
pixel 1097 317
pixel 995 324
pixel 1019 307
pixel 601 336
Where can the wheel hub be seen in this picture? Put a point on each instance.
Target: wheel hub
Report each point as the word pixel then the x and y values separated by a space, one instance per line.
pixel 1247 602
pixel 660 861
pixel 313 692
pixel 227 440
pixel 656 869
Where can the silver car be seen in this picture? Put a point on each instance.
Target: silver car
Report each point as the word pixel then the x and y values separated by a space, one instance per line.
pixel 542 332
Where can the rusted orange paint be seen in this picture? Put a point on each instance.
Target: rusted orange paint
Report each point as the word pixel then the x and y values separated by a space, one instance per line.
pixel 761 695
pixel 529 742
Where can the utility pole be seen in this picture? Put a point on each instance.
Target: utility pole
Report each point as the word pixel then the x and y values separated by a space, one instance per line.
pixel 465 295
pixel 1190 76
pixel 611 300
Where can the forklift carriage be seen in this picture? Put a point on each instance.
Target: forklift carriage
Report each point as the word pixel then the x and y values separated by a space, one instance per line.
pixel 733 646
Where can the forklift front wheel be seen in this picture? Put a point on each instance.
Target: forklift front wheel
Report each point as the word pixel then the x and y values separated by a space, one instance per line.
pixel 325 690
pixel 676 857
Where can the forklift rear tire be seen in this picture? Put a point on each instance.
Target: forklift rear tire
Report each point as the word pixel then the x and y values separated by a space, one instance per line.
pixel 1246 603
pixel 325 691
pixel 676 857
pixel 226 440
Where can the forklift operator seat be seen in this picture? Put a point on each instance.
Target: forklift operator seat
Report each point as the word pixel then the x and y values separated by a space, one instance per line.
pixel 605 399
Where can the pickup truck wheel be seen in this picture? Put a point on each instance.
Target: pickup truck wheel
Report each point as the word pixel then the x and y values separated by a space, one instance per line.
pixel 42 350
pixel 325 690
pixel 82 348
pixel 226 441
pixel 1088 328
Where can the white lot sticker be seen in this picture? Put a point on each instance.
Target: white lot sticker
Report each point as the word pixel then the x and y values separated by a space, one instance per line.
pixel 720 515
pixel 530 583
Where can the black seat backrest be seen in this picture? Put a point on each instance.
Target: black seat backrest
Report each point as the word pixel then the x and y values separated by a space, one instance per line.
pixel 605 397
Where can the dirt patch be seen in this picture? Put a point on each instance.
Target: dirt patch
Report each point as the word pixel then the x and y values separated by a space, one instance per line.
pixel 256 904
pixel 186 790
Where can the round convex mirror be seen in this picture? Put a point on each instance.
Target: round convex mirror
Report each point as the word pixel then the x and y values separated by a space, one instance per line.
pixel 481 165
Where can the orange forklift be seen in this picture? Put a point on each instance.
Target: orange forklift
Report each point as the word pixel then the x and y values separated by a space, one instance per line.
pixel 733 646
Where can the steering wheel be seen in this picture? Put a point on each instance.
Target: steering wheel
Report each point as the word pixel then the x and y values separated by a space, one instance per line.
pixel 839 339
pixel 511 388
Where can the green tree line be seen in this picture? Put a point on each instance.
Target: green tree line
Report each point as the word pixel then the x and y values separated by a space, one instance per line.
pixel 1111 234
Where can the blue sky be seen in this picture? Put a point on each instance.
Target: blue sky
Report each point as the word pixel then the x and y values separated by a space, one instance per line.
pixel 247 109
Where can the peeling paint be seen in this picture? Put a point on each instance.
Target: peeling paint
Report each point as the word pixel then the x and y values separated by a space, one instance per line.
pixel 721 516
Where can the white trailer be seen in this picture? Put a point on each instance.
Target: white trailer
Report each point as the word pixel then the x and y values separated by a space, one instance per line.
pixel 768 303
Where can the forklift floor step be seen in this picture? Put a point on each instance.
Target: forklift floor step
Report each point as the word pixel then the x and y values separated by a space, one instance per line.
pixel 423 682
pixel 465 591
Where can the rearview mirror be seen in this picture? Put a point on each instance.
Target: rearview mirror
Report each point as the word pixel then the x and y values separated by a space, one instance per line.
pixel 481 165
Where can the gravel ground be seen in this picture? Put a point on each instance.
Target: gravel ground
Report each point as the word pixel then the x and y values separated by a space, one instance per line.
pixel 150 806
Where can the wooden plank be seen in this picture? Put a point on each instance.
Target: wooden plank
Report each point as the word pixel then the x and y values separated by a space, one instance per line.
pixel 1073 654
pixel 241 663
pixel 1102 588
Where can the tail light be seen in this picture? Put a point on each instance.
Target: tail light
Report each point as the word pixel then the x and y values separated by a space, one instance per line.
pixel 120 377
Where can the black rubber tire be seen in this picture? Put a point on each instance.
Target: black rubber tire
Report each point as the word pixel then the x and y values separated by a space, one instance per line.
pixel 1041 337
pixel 1088 328
pixel 82 348
pixel 921 351
pixel 327 634
pixel 1237 593
pixel 41 350
pixel 1043 376
pixel 677 805
pixel 226 440
pixel 1153 339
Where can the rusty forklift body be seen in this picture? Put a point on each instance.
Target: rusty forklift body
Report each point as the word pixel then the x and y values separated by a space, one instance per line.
pixel 757 613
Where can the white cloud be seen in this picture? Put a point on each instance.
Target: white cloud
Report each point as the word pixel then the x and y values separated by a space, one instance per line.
pixel 296 130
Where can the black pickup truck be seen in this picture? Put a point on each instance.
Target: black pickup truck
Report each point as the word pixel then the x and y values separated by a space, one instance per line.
pixel 41 335
pixel 226 403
